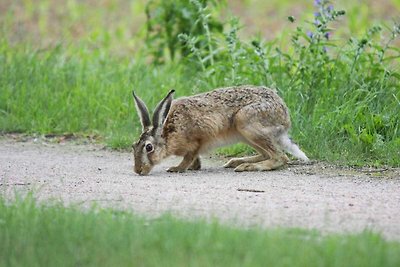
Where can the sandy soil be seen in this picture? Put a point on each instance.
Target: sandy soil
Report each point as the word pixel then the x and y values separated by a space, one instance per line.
pixel 315 196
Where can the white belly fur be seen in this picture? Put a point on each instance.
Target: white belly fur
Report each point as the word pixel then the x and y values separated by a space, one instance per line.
pixel 222 140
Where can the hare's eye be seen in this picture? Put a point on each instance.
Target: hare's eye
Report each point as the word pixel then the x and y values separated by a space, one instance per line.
pixel 149 147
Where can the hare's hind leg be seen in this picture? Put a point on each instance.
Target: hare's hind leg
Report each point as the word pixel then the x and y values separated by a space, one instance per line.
pixel 263 140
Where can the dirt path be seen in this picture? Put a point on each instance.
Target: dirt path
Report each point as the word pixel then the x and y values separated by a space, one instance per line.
pixel 315 196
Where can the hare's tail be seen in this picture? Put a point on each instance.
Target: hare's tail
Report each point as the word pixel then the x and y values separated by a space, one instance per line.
pixel 290 147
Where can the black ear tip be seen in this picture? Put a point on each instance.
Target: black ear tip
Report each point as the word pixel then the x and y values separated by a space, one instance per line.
pixel 170 93
pixel 133 93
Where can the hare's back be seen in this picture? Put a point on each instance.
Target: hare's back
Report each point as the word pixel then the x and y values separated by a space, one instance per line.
pixel 215 111
pixel 237 96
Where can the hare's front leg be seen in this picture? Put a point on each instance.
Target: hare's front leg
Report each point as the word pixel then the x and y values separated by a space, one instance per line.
pixel 196 164
pixel 187 161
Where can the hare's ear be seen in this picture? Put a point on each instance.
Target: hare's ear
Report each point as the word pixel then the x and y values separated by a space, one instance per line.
pixel 142 111
pixel 162 109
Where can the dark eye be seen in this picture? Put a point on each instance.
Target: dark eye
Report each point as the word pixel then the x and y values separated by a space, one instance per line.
pixel 149 147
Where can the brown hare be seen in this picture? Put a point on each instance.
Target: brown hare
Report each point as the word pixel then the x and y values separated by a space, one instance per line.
pixel 190 126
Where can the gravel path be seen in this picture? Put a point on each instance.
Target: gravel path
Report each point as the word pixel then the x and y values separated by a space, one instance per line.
pixel 316 196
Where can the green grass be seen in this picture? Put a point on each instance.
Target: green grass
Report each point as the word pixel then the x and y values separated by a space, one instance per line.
pixel 51 92
pixel 33 234
pixel 72 73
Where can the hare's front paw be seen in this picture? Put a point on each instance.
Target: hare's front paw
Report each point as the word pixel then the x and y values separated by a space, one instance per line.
pixel 196 165
pixel 176 169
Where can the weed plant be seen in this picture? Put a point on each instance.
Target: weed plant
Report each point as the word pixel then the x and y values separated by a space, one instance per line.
pixel 166 19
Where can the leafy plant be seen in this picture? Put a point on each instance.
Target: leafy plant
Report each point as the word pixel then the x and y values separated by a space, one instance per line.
pixel 166 19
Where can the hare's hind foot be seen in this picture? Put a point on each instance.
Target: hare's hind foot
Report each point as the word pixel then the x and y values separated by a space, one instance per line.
pixel 235 162
pixel 265 165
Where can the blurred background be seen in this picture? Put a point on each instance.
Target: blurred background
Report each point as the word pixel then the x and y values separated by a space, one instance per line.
pixel 120 24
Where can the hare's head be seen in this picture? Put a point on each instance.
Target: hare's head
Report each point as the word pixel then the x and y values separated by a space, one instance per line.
pixel 150 148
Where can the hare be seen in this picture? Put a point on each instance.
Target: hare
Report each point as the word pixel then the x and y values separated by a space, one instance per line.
pixel 190 126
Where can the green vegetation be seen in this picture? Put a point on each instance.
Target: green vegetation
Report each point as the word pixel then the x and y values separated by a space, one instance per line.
pixel 343 92
pixel 53 235
pixel 70 67
pixel 50 92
